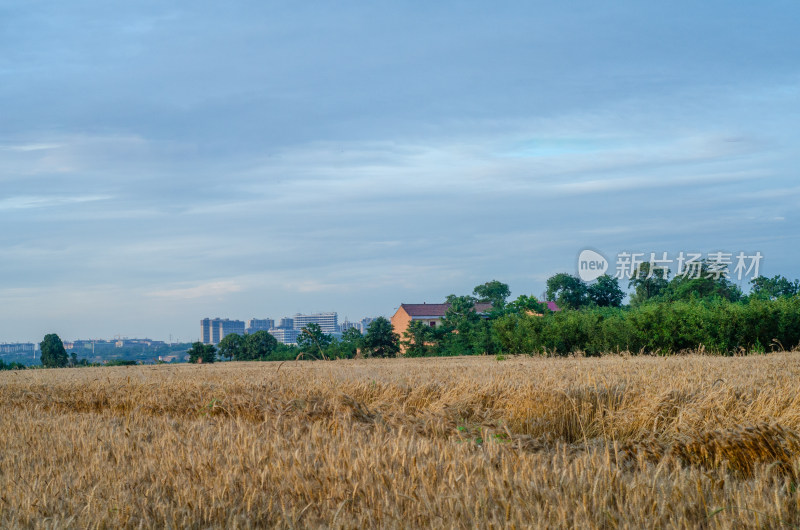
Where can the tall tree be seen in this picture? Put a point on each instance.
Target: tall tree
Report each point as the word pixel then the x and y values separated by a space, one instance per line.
pixel 606 292
pixel 258 346
pixel 568 291
pixel 772 288
pixel 350 343
pixel 202 353
pixel 460 324
pixel 454 298
pixel 648 284
pixel 380 339
pixel 703 284
pixel 313 340
pixel 525 304
pixel 493 292
pixel 231 346
pixel 53 353
pixel 484 338
pixel 417 339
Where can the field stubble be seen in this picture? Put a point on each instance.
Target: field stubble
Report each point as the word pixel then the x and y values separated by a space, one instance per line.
pixel 628 442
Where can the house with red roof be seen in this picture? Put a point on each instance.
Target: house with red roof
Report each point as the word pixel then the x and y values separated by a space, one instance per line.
pixel 430 314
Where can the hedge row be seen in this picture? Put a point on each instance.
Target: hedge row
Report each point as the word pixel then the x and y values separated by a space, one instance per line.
pixel 716 326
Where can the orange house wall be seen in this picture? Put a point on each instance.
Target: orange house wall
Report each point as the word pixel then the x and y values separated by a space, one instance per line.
pixel 400 321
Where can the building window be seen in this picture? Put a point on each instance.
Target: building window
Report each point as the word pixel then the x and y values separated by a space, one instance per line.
pixel 433 323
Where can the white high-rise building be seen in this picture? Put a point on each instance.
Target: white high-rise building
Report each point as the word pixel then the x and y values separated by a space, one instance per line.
pixel 285 336
pixel 328 322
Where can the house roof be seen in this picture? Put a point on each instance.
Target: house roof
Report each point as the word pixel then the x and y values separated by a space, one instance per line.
pixel 425 310
pixel 437 310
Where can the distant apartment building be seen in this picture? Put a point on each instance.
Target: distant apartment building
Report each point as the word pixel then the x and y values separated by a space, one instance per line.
pixel 346 324
pixel 286 323
pixel 327 322
pixel 259 324
pixel 19 348
pixel 361 325
pixel 213 330
pixel 130 343
pixel 84 346
pixel 285 336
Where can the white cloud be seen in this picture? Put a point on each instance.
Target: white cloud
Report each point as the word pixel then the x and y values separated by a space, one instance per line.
pixel 23 202
pixel 208 162
pixel 214 289
pixel 30 147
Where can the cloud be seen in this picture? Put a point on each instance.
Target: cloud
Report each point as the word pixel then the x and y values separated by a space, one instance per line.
pixel 266 159
pixel 29 147
pixel 605 185
pixel 213 289
pixel 24 202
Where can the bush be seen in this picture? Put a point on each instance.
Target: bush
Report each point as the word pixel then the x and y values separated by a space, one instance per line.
pixel 11 365
pixel 121 362
pixel 716 326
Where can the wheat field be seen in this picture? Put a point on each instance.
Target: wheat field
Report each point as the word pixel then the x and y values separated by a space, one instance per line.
pixel 613 442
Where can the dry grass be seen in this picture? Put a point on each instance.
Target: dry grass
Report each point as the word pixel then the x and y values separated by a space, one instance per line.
pixel 614 442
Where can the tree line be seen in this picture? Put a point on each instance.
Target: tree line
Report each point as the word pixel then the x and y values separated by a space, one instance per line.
pixel 702 312
pixel 312 343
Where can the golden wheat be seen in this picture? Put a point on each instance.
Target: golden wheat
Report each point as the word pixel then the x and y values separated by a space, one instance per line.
pixel 626 442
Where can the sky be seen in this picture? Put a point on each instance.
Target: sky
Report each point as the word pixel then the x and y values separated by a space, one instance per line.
pixel 162 162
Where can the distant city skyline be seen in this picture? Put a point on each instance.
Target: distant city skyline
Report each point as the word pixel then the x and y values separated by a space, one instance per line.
pixel 213 330
pixel 160 163
pixel 117 337
pixel 8 338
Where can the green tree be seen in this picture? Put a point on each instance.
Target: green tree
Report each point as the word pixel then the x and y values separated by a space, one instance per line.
pixel 284 352
pixel 53 353
pixel 418 339
pixel 11 366
pixel 453 298
pixel 313 340
pixel 350 343
pixel 457 334
pixel 648 285
pixel 493 292
pixel 569 292
pixel 231 346
pixel 606 292
pixel 484 340
pixel 525 304
pixel 764 288
pixel 380 339
pixel 199 352
pixel 702 284
pixel 258 346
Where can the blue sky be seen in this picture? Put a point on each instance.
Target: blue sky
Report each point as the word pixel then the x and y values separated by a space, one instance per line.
pixel 163 162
